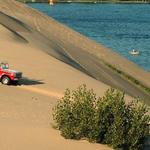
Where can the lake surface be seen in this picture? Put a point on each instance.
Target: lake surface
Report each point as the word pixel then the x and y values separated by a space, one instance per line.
pixel 121 27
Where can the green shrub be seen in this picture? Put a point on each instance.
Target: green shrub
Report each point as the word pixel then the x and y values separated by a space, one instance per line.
pixel 109 120
pixel 138 127
pixel 112 117
pixel 75 113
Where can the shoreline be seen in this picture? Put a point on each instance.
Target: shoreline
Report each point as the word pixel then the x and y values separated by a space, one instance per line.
pixel 92 2
pixel 128 55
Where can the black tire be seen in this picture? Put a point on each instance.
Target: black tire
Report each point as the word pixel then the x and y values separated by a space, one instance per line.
pixel 5 80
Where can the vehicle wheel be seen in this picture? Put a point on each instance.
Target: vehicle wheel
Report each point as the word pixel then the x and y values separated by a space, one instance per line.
pixel 5 80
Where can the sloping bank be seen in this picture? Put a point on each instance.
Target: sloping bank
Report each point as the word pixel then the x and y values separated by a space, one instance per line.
pixel 75 49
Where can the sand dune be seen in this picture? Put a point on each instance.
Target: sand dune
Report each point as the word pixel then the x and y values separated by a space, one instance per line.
pixel 26 110
pixel 63 49
pixel 25 123
pixel 41 48
pixel 62 34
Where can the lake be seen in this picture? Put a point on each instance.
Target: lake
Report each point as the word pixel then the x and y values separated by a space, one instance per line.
pixel 120 27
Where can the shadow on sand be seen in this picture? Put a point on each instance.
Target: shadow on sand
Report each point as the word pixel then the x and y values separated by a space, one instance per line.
pixel 27 81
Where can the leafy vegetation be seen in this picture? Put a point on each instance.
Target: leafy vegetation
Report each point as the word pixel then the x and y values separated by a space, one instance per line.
pixel 130 78
pixel 80 114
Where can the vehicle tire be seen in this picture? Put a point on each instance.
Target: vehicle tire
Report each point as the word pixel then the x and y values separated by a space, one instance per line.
pixel 5 80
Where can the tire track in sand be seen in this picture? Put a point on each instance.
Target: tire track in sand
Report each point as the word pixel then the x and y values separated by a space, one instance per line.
pixel 42 91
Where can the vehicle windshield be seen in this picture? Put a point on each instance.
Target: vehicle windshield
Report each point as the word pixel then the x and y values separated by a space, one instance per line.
pixel 4 66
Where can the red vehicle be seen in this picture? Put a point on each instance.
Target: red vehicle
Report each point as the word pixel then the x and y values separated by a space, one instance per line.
pixel 7 75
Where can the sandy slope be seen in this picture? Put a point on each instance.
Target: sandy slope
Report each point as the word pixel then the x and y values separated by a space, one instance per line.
pixel 39 68
pixel 85 55
pixel 26 110
pixel 25 123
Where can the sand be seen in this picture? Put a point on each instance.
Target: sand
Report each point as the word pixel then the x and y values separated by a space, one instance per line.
pixel 26 110
pixel 41 48
pixel 72 48
pixel 25 123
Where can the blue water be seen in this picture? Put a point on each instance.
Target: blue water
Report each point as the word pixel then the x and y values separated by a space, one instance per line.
pixel 120 27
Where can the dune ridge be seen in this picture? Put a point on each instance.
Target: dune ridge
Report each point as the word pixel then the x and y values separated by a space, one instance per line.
pixel 26 110
pixel 72 48
pixel 51 28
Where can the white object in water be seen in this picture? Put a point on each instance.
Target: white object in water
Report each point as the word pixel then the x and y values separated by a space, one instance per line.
pixel 51 2
pixel 134 52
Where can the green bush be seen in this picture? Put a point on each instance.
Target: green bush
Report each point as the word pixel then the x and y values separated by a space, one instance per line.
pixel 75 113
pixel 109 120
